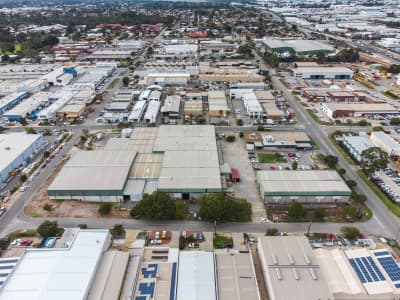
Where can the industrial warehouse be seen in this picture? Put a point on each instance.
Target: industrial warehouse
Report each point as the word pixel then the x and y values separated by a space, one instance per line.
pixel 279 188
pixel 179 160
pixel 17 149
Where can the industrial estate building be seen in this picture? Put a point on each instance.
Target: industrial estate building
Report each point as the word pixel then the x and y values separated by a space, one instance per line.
pixel 17 149
pixel 343 110
pixel 179 160
pixel 290 269
pixel 300 47
pixel 355 145
pixel 60 273
pixel 98 176
pixel 311 188
pixel 321 72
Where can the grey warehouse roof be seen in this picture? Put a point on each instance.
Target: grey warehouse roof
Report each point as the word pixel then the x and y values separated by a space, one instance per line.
pixel 95 170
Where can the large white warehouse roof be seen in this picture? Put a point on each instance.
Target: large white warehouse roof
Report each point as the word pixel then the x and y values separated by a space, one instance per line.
pixel 62 274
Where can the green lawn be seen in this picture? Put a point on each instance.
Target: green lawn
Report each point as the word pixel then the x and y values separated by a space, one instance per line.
pixel 284 83
pixel 343 153
pixel 315 118
pixel 220 240
pixel 270 158
pixel 113 83
pixel 393 207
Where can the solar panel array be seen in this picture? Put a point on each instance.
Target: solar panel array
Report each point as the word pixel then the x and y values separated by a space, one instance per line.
pixel 6 267
pixel 366 269
pixel 391 267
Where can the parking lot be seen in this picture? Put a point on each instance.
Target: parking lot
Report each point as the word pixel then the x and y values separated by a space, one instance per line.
pixel 235 154
pixel 389 183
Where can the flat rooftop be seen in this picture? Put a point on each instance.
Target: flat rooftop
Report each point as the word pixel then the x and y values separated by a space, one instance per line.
pixel 302 183
pixel 12 145
pixel 236 277
pixel 94 170
pixel 291 270
pixel 62 274
pixel 362 107
pixel 196 278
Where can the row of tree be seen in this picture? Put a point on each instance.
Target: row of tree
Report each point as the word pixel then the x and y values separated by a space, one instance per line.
pixel 212 207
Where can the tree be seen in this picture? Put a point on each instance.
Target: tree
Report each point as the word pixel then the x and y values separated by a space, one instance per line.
pixel 158 206
pixel 125 81
pixel 363 122
pixel 359 198
pixel 351 183
pixel 23 178
pixel 48 207
pixel 149 52
pixel 394 69
pixel 295 165
pixel 23 122
pixel 341 171
pixel 272 231
pixel 117 230
pixel 395 121
pixel 349 212
pixel 373 159
pixel 30 130
pixel 296 210
pixel 181 209
pixel 230 138
pixel 350 233
pixel 105 208
pixel 379 128
pixel 217 207
pixel 319 213
pixel 330 161
pixel 83 226
pixel 48 228
pixel 239 122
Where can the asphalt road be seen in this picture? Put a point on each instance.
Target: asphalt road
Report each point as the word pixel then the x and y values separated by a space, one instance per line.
pixel 383 221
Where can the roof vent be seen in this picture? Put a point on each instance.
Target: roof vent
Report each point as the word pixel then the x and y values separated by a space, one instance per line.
pixel 7 148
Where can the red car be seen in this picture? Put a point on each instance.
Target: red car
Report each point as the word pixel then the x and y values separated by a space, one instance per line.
pixel 273 168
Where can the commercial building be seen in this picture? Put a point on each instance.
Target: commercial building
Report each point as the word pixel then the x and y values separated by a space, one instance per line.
pixel 311 188
pixel 193 108
pixel 7 266
pixel 16 149
pixel 272 111
pixel 250 101
pixel 386 143
pixel 61 273
pixel 285 140
pixel 71 111
pixel 171 107
pixel 217 105
pixel 290 269
pixel 137 112
pixel 355 145
pixel 236 277
pixel 107 283
pixel 322 72
pixel 27 108
pixel 196 276
pixel 190 166
pixel 360 273
pixel 343 110
pixel 98 176
pixel 152 111
pixel 9 101
pixel 300 47
pixel 168 79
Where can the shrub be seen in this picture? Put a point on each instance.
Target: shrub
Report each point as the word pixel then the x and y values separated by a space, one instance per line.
pixel 272 231
pixel 230 138
pixel 105 208
pixel 48 207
